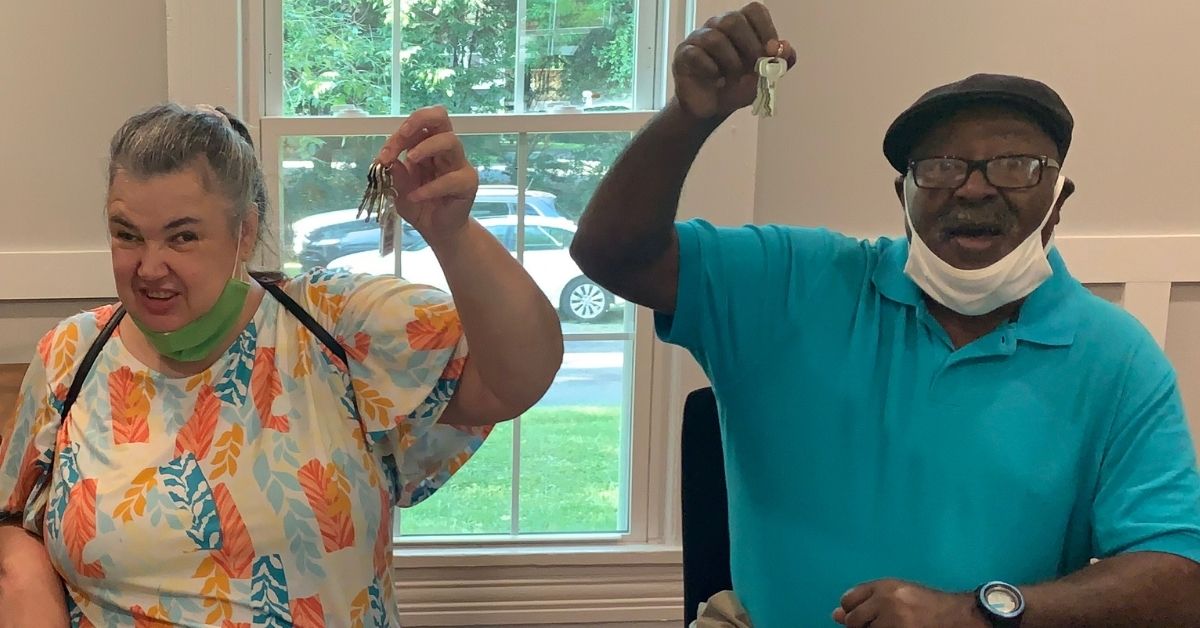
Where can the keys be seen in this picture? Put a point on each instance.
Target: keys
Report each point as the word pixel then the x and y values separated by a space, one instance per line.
pixel 387 233
pixel 378 193
pixel 770 70
pixel 379 199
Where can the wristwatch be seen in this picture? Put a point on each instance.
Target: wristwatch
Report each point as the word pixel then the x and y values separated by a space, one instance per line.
pixel 1001 603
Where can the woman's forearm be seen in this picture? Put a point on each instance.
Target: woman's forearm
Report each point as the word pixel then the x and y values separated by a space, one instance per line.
pixel 31 593
pixel 513 331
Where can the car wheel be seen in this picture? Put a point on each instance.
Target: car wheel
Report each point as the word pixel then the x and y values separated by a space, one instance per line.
pixel 584 300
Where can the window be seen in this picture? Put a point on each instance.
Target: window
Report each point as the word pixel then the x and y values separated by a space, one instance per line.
pixel 491 208
pixel 540 239
pixel 545 94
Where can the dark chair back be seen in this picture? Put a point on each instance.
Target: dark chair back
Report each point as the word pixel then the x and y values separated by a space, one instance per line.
pixel 705 503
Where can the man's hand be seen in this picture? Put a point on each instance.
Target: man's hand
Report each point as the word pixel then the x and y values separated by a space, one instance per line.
pixel 899 604
pixel 714 67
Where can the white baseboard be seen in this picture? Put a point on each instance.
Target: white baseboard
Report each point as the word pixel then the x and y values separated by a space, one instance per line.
pixel 583 588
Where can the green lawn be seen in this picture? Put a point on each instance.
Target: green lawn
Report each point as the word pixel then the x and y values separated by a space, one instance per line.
pixel 569 478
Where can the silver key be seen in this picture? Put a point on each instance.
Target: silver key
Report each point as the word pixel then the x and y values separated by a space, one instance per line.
pixel 379 200
pixel 760 98
pixel 770 70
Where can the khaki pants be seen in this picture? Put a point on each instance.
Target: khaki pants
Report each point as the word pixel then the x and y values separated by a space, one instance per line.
pixel 722 610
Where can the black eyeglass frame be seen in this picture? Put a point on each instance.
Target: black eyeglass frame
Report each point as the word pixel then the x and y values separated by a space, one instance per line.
pixel 981 165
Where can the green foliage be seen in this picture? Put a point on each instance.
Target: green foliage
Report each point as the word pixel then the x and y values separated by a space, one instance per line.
pixel 570 166
pixel 336 52
pixel 457 53
pixel 570 478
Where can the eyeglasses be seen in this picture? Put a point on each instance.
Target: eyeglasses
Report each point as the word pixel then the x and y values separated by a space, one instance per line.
pixel 1006 171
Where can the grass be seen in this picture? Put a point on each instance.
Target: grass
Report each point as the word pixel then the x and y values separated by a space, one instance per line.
pixel 570 479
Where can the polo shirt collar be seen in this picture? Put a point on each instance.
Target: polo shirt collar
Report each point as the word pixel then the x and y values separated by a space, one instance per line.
pixel 1047 317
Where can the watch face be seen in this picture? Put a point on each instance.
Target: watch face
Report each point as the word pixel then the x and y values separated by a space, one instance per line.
pixel 1002 599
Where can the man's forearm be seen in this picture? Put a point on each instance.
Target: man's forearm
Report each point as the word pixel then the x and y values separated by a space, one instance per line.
pixel 630 219
pixel 1131 590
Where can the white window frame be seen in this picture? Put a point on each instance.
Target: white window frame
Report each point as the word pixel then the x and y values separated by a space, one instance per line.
pixel 272 127
pixel 592 580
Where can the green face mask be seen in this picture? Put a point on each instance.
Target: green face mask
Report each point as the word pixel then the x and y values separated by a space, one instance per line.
pixel 196 340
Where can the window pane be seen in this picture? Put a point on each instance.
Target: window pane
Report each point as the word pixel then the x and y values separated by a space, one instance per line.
pixel 336 53
pixel 323 179
pixel 564 170
pixel 392 56
pixel 574 445
pixel 539 239
pixel 477 500
pixel 579 54
pixel 485 208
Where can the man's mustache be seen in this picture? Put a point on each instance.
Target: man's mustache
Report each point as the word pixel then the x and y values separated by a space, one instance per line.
pixel 994 215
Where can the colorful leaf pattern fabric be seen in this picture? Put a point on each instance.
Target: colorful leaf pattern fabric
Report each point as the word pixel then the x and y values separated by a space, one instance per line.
pixel 244 496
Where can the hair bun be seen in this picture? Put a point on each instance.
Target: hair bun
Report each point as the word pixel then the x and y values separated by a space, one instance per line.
pixel 237 125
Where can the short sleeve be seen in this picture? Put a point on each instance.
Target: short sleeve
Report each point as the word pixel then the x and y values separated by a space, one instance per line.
pixel 27 448
pixel 735 283
pixel 1148 496
pixel 406 353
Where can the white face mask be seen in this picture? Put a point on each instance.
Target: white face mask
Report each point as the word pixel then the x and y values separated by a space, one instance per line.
pixel 982 290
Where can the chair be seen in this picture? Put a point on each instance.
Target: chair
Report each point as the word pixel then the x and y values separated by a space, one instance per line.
pixel 10 384
pixel 705 503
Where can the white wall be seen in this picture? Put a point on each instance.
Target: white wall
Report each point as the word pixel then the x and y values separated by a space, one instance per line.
pixel 70 77
pixel 1183 346
pixel 1127 70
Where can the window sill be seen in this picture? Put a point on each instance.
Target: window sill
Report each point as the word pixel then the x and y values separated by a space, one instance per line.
pixel 539 585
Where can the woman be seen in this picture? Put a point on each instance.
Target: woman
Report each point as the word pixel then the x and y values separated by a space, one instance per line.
pixel 231 454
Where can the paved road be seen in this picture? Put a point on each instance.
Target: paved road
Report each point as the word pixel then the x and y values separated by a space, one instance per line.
pixel 591 375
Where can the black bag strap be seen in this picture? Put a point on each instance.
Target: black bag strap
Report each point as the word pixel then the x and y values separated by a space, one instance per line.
pixel 88 360
pixel 326 338
pixel 307 320
pixel 85 367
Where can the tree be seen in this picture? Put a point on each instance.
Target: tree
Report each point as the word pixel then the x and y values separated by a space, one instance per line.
pixel 459 53
pixel 336 52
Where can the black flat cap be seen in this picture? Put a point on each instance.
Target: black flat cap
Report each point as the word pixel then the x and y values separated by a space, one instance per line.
pixel 1030 97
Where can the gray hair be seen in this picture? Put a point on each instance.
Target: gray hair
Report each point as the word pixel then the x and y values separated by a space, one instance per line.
pixel 168 138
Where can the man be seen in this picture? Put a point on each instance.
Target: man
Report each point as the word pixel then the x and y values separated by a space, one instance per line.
pixel 906 421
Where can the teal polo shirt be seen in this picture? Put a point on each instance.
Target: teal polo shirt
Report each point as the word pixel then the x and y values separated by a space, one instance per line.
pixel 859 444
